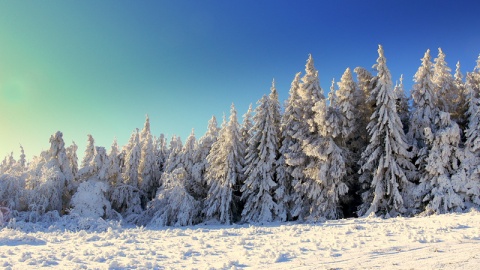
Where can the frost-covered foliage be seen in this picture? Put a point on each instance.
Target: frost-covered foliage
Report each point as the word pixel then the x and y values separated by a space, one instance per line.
pixel 299 165
pixel 385 161
pixel 148 183
pixel 173 205
pixel 424 103
pixel 445 89
pixel 89 151
pixel 73 158
pixel 310 93
pixel 402 104
pixel 439 187
pixel 329 171
pixel 225 171
pixel 200 166
pixel 90 200
pixel 97 167
pixel 285 173
pixel 260 161
pixel 126 196
pixel 114 169
pixel 459 114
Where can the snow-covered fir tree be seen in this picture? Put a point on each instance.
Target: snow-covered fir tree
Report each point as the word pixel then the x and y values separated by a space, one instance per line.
pixel 424 107
pixel 148 182
pixel 97 168
pixel 460 109
pixel 443 83
pixel 173 205
pixel 329 170
pixel 203 149
pixel 224 172
pixel 470 167
pixel 439 187
pixel 188 160
pixel 73 158
pixel 174 159
pixel 114 170
pixel 161 155
pixel 285 173
pixel 260 161
pixel 386 160
pixel 247 124
pixel 89 151
pixel 310 93
pixel 126 196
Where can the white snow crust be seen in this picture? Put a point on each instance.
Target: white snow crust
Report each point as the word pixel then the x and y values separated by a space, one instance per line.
pixel 448 241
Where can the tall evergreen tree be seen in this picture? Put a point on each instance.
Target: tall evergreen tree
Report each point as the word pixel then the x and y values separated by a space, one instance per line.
pixel 89 151
pixel 126 197
pixel 443 83
pixel 386 161
pixel 147 167
pixel 224 172
pixel 439 187
pixel 285 173
pixel 459 114
pixel 310 93
pixel 261 155
pixel 73 158
pixel 203 149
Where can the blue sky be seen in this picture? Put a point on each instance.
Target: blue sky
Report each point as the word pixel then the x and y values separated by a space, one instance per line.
pixel 98 67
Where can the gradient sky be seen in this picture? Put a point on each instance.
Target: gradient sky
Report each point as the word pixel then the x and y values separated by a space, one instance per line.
pixel 98 67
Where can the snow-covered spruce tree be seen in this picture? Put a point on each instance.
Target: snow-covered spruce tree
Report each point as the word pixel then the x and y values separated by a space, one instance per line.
pixel 331 170
pixel 174 159
pixel 161 155
pixel 114 170
pixel 385 162
pixel 224 171
pixel 73 158
pixel 148 183
pixel 97 168
pixel 470 164
pixel 402 104
pixel 443 83
pixel 424 103
pixel 459 113
pixel 89 151
pixel 173 205
pixel 247 124
pixel 188 160
pixel 203 149
pixel 285 173
pixel 126 196
pixel 310 93
pixel 50 179
pixel 439 187
pixel 353 131
pixel 260 161
pixel 12 186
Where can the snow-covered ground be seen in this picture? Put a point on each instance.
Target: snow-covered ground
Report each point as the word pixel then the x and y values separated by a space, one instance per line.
pixel 450 241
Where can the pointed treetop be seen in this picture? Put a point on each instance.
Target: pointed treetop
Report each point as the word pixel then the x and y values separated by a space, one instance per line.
pixel 309 67
pixel 380 50
pixel 332 96
pixel 273 91
pixel 458 74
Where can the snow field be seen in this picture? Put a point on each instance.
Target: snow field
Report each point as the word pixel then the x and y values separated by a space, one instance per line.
pixel 447 241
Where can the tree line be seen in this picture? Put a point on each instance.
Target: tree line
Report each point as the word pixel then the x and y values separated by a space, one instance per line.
pixel 365 148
